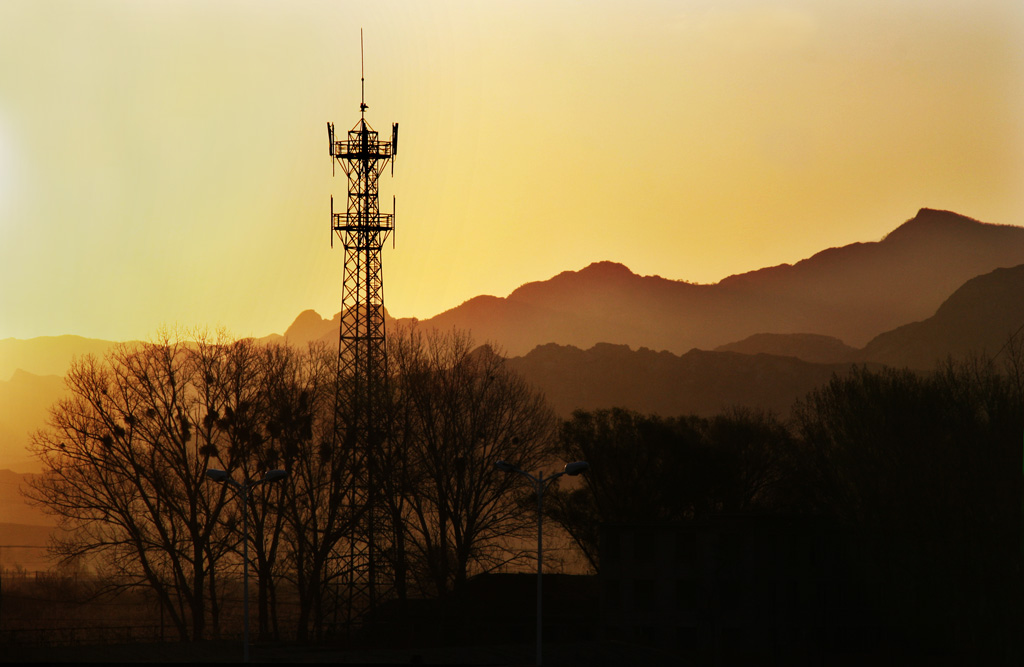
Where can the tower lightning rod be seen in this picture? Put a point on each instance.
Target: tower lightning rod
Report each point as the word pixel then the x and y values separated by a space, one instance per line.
pixel 362 76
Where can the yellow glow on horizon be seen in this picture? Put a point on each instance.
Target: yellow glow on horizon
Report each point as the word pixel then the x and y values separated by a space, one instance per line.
pixel 171 162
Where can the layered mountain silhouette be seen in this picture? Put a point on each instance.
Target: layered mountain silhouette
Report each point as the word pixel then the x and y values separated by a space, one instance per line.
pixel 852 294
pixel 24 401
pixel 17 518
pixel 940 284
pixel 46 355
pixel 309 327
pixel 772 371
pixel 698 382
pixel 978 318
pixel 809 347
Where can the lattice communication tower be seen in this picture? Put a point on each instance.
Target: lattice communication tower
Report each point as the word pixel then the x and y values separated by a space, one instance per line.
pixel 362 230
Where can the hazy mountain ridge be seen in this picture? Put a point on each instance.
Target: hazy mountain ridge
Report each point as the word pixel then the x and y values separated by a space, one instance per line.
pixel 26 519
pixel 768 371
pixel 815 348
pixel 604 309
pixel 309 326
pixel 46 355
pixel 979 317
pixel 698 382
pixel 24 403
pixel 22 525
pixel 772 371
pixel 852 293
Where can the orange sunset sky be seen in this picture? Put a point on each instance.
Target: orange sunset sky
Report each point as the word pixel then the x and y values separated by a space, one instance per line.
pixel 165 162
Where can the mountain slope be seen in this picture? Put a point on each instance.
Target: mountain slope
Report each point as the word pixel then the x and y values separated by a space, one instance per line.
pixel 851 293
pixel 809 347
pixel 24 402
pixel 803 312
pixel 979 317
pixel 770 371
pixel 46 355
pixel 310 327
pixel 14 510
pixel 698 382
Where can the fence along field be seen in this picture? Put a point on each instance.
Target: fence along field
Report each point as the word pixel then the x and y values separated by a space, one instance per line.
pixel 44 603
pixel 60 607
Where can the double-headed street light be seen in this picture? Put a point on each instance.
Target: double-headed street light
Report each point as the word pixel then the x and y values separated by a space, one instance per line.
pixel 222 477
pixel 540 483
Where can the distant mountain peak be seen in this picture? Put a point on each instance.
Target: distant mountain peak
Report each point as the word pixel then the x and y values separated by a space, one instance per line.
pixel 20 375
pixel 607 268
pixel 597 271
pixel 941 215
pixel 305 325
pixel 930 221
pixel 306 318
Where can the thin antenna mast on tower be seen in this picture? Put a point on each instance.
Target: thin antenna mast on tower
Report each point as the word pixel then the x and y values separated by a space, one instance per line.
pixel 362 76
pixel 362 360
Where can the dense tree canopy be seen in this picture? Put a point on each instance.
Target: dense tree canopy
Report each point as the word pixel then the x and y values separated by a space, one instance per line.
pixel 649 469
pixel 926 471
pixel 917 474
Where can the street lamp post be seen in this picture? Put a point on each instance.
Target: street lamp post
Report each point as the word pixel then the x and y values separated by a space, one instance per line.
pixel 222 477
pixel 540 483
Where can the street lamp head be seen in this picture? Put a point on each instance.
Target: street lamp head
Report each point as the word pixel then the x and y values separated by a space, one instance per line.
pixel 504 466
pixel 575 468
pixel 218 476
pixel 275 476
